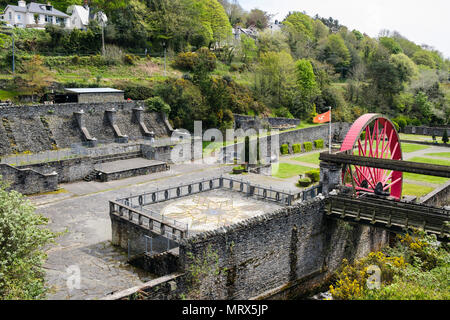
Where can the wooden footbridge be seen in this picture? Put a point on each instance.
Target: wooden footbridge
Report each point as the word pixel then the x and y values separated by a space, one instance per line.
pixel 392 215
pixel 370 162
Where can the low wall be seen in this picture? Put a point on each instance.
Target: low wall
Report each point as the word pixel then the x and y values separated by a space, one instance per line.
pixel 426 131
pixel 28 181
pixel 439 197
pixel 247 122
pixel 284 254
pixel 339 130
pixel 111 176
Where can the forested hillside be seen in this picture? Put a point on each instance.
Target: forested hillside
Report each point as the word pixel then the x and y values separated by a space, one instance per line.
pixel 296 68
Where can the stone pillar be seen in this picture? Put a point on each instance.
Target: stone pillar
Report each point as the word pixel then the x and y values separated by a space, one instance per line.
pixel 330 176
pixel 81 120
pixel 137 112
pixel 79 115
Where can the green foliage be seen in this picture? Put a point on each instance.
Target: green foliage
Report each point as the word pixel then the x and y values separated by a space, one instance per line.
pixel 336 53
pixel 396 126
pixel 156 104
pixel 238 170
pixel 308 146
pixel 23 235
pixel 201 61
pixel 424 58
pixel 314 175
pixel 297 148
pixel 318 144
pixel 304 182
pixel 391 45
pixel 284 149
pixel 138 92
pixel 415 268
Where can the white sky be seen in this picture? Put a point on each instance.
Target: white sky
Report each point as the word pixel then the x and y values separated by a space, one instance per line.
pixel 424 22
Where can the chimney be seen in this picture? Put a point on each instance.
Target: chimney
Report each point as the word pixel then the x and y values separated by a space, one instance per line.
pixel 22 3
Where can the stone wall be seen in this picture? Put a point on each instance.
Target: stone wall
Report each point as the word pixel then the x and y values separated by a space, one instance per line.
pixel 426 131
pixel 439 197
pixel 310 134
pixel 28 181
pixel 247 122
pixel 46 127
pixel 284 254
pixel 100 97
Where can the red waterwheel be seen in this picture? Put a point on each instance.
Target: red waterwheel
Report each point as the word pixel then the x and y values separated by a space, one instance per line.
pixel 373 135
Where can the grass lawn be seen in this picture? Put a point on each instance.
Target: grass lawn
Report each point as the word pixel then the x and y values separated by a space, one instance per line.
pixel 424 178
pixel 430 161
pixel 8 95
pixel 287 170
pixel 410 147
pixel 439 154
pixel 415 190
pixel 309 158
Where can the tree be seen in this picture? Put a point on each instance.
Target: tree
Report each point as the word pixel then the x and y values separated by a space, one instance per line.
pixel 248 49
pixel 336 53
pixel 405 66
pixel 258 18
pixel 307 89
pixel 62 5
pixel 37 76
pixel 424 58
pixel 22 237
pixel 391 45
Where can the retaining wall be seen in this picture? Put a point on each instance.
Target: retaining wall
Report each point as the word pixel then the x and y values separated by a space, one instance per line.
pixel 28 181
pixel 45 127
pixel 439 197
pixel 426 131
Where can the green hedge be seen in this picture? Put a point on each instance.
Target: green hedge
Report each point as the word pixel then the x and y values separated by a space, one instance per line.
pixel 314 175
pixel 308 146
pixel 297 148
pixel 238 170
pixel 304 182
pixel 284 149
pixel 318 144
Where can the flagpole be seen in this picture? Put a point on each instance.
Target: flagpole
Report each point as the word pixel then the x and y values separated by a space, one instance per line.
pixel 329 136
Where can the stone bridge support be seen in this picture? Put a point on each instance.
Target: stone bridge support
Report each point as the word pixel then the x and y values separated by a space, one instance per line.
pixel 330 176
pixel 137 114
pixel 81 120
pixel 111 115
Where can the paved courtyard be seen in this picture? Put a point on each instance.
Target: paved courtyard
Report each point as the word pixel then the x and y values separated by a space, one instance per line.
pixel 81 212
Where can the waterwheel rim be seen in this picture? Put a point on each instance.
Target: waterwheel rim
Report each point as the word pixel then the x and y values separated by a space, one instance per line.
pixel 381 140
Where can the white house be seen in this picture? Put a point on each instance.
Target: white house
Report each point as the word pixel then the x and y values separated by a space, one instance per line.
pixel 81 15
pixel 34 15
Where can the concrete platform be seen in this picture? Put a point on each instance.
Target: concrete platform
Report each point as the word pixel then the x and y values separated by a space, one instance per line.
pixel 129 168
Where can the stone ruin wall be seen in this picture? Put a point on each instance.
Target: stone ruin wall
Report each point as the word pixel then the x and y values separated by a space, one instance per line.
pixel 46 127
pixel 279 255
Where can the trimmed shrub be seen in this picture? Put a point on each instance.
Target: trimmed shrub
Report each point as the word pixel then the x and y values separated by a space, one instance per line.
pixel 308 146
pixel 284 149
pixel 314 175
pixel 297 148
pixel 238 170
pixel 304 182
pixel 186 60
pixel 318 144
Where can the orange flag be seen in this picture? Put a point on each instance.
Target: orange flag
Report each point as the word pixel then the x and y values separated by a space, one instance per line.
pixel 322 118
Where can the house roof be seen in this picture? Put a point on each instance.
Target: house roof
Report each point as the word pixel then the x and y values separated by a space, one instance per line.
pixel 34 7
pixel 93 90
pixel 82 12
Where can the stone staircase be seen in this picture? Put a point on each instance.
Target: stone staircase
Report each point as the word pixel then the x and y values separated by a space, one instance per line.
pixel 119 156
pixel 92 176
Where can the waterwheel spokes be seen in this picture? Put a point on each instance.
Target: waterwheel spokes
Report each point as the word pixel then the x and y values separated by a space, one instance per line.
pixel 380 141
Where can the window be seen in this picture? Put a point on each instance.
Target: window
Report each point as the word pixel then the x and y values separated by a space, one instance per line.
pixel 48 19
pixel 18 17
pixel 10 15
